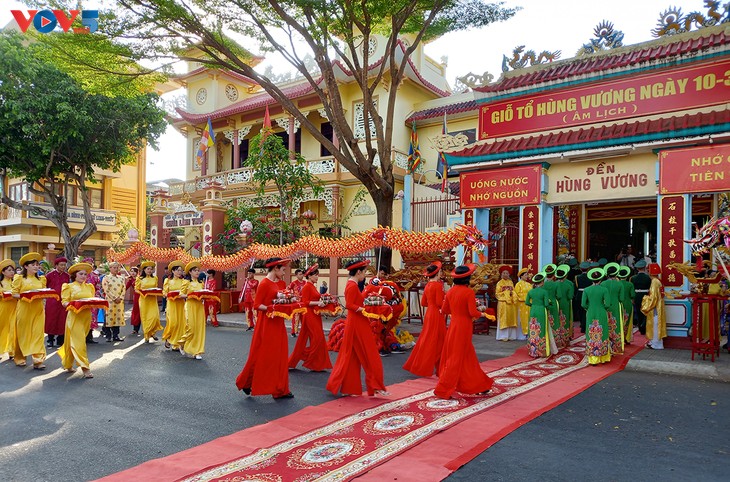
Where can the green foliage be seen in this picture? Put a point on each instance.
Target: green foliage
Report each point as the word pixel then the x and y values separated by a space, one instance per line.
pixel 274 164
pixel 124 227
pixel 51 127
pixel 339 228
pixel 268 228
pixel 332 32
pixel 53 133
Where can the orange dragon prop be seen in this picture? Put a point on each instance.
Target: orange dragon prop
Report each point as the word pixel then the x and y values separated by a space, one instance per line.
pixel 404 241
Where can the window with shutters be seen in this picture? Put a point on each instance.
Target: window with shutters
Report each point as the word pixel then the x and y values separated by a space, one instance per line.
pixel 18 192
pixel 18 252
pixel 360 120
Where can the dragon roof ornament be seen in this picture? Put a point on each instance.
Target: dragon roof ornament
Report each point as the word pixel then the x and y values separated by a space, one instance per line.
pixel 473 80
pixel 672 21
pixel 606 38
pixel 529 58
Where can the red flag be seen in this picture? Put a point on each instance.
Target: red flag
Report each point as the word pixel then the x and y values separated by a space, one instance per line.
pixel 267 119
pixel 266 129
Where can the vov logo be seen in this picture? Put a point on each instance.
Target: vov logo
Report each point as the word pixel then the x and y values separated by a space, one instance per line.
pixel 45 21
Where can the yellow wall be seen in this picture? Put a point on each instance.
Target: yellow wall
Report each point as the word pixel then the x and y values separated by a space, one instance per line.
pixel 124 192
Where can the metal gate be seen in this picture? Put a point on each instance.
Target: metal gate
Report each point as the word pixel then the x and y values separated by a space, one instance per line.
pixel 432 212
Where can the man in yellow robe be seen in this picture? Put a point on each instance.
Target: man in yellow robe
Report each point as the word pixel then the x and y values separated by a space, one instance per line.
pixel 506 308
pixel 653 307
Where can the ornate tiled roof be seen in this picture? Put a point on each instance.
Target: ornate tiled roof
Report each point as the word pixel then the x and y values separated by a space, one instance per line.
pixel 657 50
pixel 585 68
pixel 450 109
pixel 294 91
pixel 596 137
pixel 254 102
pixel 183 77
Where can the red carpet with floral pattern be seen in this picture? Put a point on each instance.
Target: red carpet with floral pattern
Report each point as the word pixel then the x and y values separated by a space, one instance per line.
pixel 413 427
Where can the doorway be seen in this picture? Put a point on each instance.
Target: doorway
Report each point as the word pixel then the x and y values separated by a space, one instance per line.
pixel 612 227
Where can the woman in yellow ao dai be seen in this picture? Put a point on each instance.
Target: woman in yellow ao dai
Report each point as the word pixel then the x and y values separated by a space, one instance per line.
pixel 149 312
pixel 77 324
pixel 8 305
pixel 506 308
pixel 175 312
pixel 30 317
pixel 193 341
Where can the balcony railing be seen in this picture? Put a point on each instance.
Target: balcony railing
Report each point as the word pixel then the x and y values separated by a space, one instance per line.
pixel 238 177
pixel 6 213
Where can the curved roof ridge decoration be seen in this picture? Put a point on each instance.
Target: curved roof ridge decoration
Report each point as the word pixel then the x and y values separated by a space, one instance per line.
pixel 298 90
pixel 658 53
pixel 658 49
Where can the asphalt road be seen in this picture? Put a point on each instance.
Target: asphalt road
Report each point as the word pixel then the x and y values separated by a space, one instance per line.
pixel 631 426
pixel 143 403
pixel 146 403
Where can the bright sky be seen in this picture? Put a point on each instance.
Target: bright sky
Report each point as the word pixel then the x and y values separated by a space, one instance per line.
pixel 563 25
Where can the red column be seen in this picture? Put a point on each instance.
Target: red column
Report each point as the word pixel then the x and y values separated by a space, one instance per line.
pixel 530 238
pixel 52 254
pixel 671 235
pixel 292 132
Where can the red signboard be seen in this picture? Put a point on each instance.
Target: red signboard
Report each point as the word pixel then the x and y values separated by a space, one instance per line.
pixel 530 236
pixel 697 169
pixel 514 186
pixel 667 91
pixel 670 238
pixel 469 221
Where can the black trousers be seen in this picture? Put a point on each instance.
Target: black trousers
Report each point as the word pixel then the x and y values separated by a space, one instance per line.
pixel 57 338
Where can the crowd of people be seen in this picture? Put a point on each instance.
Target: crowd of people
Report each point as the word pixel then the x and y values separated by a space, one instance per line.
pixel 602 298
pixel 63 307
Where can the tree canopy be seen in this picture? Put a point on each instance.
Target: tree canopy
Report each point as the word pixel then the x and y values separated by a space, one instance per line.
pixel 274 164
pixel 336 33
pixel 53 133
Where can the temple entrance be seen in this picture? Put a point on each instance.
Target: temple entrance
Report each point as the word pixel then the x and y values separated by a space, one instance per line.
pixel 613 227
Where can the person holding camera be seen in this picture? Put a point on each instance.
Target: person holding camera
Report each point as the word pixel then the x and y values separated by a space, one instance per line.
pixel 626 257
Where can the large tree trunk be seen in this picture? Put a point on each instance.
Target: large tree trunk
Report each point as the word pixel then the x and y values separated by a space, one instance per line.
pixel 384 214
pixel 56 214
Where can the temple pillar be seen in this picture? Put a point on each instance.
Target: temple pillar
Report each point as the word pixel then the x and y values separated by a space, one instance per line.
pixel 214 217
pixel 159 236
pixel 51 254
pixel 334 262
pixel 236 150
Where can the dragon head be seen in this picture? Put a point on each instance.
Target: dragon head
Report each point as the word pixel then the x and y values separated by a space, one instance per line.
pixel 472 236
pixel 715 233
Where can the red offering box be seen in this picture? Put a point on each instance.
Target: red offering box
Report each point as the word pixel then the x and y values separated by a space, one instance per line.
pixel 285 310
pixel 171 295
pixel 39 294
pixel 378 312
pixel 86 304
pixel 331 309
pixel 203 295
pixel 151 292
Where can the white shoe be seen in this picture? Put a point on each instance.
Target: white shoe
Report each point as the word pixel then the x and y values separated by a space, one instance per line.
pixel 198 357
pixel 182 352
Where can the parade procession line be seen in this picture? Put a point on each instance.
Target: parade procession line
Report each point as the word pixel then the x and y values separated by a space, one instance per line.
pixel 410 436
